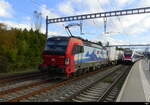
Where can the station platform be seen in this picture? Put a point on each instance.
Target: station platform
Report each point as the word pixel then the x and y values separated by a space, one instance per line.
pixel 137 84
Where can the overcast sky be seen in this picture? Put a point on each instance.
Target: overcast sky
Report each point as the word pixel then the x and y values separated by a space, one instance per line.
pixel 134 29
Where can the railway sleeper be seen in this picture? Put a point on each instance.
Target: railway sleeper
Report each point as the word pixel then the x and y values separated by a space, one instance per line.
pixel 94 91
pixel 75 100
pixel 62 97
pixel 108 100
pixel 89 96
pixel 85 99
pixel 113 93
pixel 93 94
pixel 70 93
pixel 111 96
pixel 98 88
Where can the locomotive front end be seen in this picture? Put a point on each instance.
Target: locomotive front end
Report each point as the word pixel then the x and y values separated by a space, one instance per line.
pixel 54 56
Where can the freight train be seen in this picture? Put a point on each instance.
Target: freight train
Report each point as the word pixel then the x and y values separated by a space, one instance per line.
pixel 72 56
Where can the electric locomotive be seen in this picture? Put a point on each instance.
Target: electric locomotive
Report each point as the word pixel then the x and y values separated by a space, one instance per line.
pixel 67 56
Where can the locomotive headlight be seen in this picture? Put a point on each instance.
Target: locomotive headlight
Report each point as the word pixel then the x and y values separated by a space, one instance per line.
pixel 67 61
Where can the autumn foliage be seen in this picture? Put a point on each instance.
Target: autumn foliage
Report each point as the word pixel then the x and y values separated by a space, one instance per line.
pixel 20 49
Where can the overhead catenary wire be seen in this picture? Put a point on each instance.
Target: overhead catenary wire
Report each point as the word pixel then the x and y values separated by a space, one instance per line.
pixel 119 19
pixel 105 19
pixel 121 24
pixel 99 9
pixel 65 29
pixel 107 22
pixel 95 23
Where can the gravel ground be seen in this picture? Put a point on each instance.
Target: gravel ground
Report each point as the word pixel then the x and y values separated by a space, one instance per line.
pixel 59 93
pixel 21 83
pixel 25 91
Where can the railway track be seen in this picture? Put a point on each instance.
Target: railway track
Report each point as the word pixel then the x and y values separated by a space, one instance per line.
pixel 15 94
pixel 100 90
pixel 25 89
pixel 19 78
pixel 17 75
pixel 110 95
pixel 49 90
pixel 55 89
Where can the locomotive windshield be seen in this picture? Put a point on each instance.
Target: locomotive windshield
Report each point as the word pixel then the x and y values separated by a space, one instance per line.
pixel 128 53
pixel 56 46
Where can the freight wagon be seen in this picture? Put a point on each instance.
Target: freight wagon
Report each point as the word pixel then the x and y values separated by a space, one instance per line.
pixel 114 55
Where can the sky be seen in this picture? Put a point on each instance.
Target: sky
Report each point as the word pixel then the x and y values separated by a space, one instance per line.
pixel 133 29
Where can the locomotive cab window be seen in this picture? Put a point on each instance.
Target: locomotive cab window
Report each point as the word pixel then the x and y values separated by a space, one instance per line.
pixel 56 46
pixel 77 49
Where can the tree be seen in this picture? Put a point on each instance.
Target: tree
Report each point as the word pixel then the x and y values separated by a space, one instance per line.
pixel 21 49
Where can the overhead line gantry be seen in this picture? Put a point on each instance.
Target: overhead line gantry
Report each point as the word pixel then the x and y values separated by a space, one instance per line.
pixel 97 15
pixel 129 45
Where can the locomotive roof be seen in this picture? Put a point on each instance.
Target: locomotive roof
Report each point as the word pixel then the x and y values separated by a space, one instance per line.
pixel 62 37
pixel 67 37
